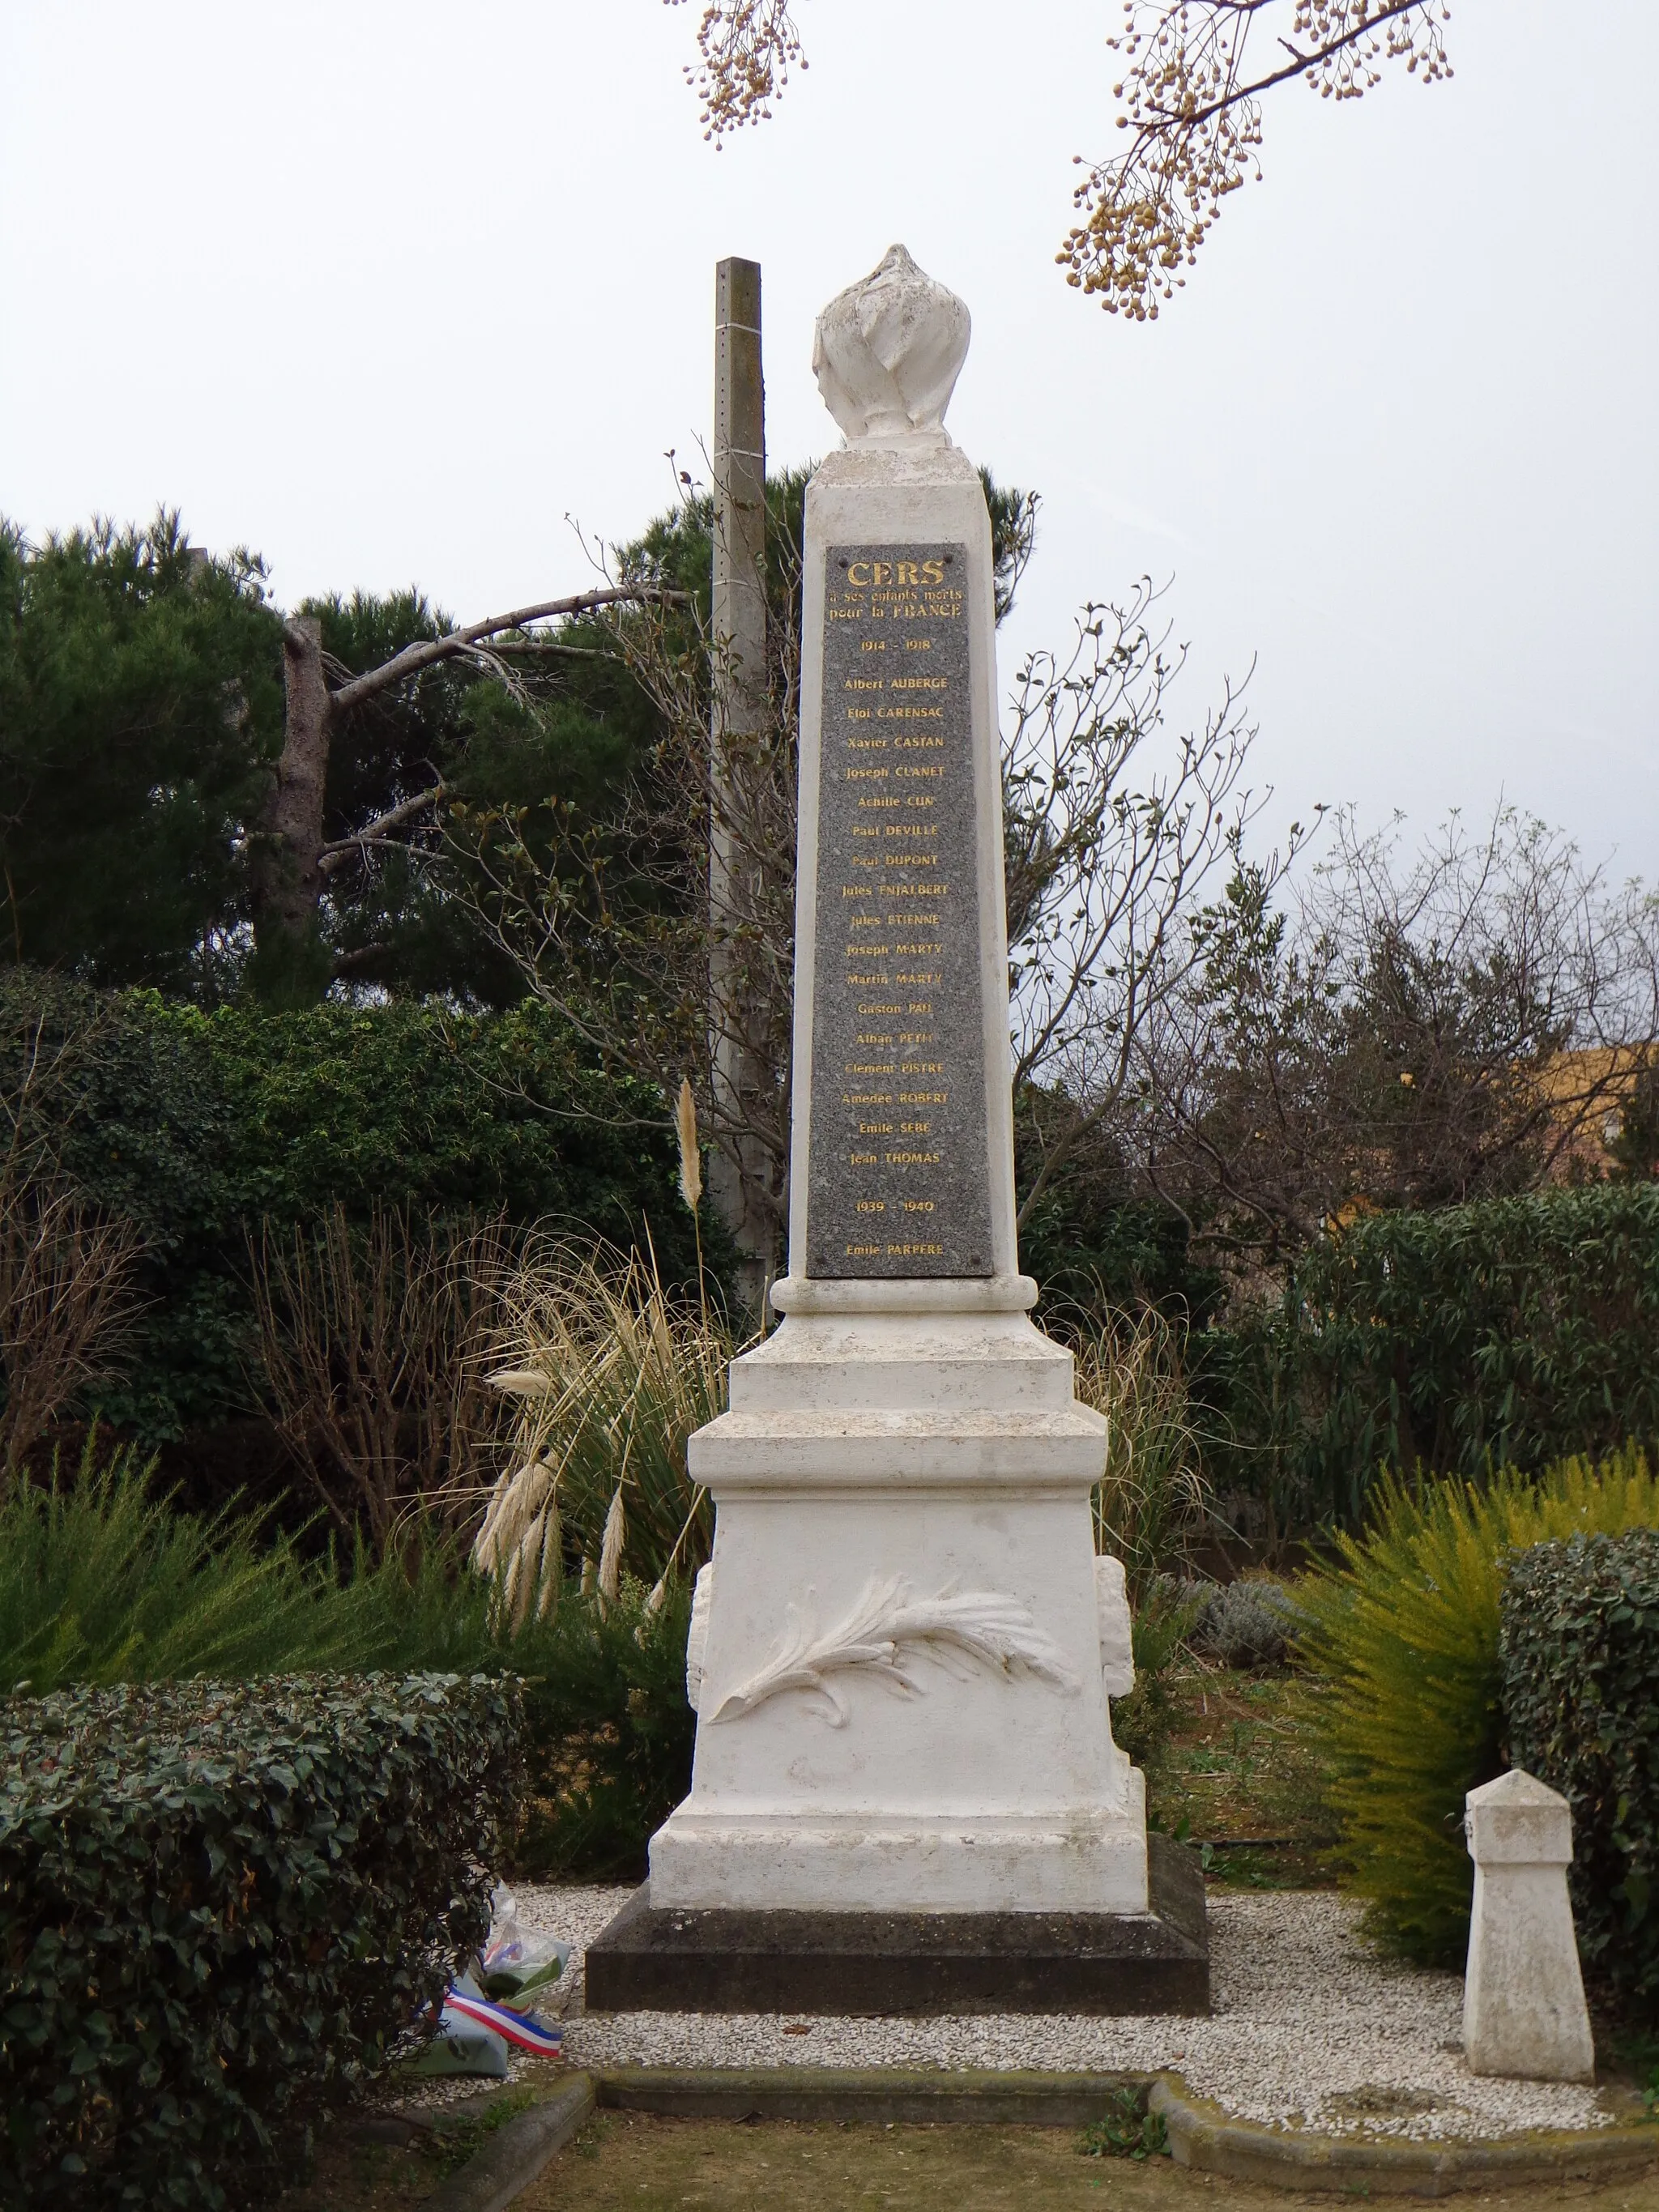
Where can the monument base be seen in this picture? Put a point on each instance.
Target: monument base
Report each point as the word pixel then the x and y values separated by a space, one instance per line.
pixel 879 1964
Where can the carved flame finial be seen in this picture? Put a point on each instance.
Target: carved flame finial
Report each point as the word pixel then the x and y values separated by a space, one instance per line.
pixel 888 352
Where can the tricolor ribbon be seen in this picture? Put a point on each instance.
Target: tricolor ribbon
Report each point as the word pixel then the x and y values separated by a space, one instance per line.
pixel 524 2030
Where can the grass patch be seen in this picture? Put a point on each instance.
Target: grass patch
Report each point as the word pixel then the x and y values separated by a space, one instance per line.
pixel 1241 1778
pixel 646 2164
pixel 456 2144
pixel 637 2162
pixel 351 2174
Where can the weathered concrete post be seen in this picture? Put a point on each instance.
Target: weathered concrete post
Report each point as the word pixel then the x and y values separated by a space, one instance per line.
pixel 741 709
pixel 1523 1995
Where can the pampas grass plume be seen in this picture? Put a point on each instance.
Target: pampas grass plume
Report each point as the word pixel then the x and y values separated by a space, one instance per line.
pixel 685 1125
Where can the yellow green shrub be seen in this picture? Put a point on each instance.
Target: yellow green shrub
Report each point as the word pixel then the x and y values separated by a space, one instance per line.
pixel 1405 1632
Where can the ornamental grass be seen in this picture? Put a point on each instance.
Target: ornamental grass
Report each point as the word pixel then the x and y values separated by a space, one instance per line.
pixel 1404 1632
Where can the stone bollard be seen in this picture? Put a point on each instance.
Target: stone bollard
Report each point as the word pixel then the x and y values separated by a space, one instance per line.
pixel 1523 1996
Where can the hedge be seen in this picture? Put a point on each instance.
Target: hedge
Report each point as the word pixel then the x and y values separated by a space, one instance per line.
pixel 221 1907
pixel 1512 1333
pixel 1580 1656
pixel 195 1125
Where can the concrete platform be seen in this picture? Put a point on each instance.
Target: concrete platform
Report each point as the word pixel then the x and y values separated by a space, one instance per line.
pixel 912 1964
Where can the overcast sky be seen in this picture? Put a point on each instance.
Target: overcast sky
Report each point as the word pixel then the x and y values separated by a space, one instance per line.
pixel 387 288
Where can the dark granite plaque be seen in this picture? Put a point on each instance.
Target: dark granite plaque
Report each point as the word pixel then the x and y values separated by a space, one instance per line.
pixel 898 1181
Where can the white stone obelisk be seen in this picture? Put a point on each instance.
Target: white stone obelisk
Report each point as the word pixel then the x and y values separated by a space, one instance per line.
pixel 902 1648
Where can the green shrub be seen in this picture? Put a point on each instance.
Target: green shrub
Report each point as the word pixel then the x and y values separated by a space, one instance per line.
pixel 1162 1620
pixel 1246 1624
pixel 1405 1632
pixel 195 1127
pixel 1579 1653
pixel 102 1583
pixel 220 1907
pixel 1127 2129
pixel 1512 1333
pixel 607 1733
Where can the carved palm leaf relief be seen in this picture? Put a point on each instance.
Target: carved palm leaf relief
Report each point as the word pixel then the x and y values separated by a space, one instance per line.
pixel 887 1632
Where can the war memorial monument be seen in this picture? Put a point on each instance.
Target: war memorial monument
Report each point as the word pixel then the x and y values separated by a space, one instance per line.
pixel 906 1795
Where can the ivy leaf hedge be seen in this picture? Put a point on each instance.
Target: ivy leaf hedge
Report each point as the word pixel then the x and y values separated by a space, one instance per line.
pixel 223 1906
pixel 1580 1657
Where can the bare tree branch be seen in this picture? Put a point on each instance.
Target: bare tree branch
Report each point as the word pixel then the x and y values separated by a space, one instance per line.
pixel 1112 832
pixel 414 658
pixel 373 833
pixel 1413 1031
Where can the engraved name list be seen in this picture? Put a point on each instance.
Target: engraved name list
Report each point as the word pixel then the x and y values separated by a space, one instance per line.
pixel 897 1181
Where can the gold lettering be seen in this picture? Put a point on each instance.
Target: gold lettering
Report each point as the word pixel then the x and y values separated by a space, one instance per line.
pixel 860 583
pixel 932 571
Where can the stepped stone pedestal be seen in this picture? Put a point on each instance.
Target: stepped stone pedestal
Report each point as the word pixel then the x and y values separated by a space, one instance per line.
pixel 906 1797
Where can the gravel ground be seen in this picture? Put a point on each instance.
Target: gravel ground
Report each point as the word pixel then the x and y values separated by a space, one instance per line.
pixel 1311 2029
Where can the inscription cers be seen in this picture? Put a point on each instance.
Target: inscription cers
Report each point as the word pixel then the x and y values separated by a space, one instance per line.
pixel 898 1179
